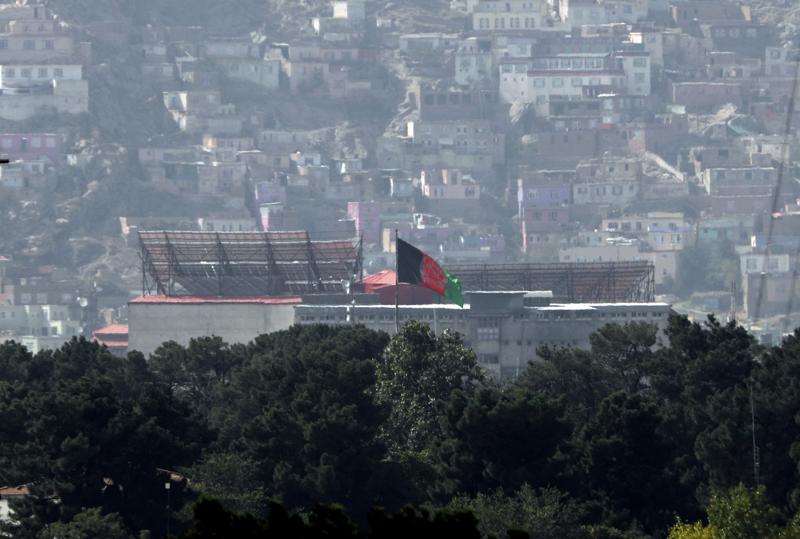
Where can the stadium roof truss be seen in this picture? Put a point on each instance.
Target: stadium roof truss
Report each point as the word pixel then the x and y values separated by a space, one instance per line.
pixel 580 282
pixel 246 263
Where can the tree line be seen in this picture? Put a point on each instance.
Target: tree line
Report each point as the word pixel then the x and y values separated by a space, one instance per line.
pixel 321 431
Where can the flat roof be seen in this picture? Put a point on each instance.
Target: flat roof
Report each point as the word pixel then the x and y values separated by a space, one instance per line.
pixel 213 300
pixel 553 307
pixel 427 306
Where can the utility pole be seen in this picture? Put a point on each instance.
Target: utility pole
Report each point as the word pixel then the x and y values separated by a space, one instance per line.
pixel 732 315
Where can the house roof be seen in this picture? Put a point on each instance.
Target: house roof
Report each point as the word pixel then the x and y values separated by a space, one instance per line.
pixel 382 278
pixel 213 300
pixel 10 492
pixel 113 329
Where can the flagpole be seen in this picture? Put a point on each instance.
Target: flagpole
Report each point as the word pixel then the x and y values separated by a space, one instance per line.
pixel 396 286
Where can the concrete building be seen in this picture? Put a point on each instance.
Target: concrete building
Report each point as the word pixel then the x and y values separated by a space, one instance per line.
pixel 22 75
pixel 474 62
pixel 781 61
pixel 616 250
pixel 261 72
pixel 61 96
pixel 607 181
pixel 154 320
pixel 505 329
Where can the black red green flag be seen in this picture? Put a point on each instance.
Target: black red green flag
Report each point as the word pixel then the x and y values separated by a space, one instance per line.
pixel 416 267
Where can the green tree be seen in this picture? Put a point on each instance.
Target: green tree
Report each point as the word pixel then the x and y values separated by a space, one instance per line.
pixel 420 371
pixel 88 523
pixel 304 411
pixel 89 430
pixel 495 438
pixel 620 359
pixel 199 373
pixel 544 514
pixel 742 513
pixel 622 458
pixel 231 478
pixel 212 520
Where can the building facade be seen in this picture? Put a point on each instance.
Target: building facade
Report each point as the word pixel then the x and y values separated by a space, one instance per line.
pixel 505 329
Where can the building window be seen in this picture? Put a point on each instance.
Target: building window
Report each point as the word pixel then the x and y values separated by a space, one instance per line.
pixel 42 72
pixel 3 43
pixel 29 44
pixel 640 62
pixel 26 73
pixel 558 83
pixel 488 359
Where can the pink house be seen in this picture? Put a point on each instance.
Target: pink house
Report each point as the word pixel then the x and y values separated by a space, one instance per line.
pixel 32 146
pixel 367 218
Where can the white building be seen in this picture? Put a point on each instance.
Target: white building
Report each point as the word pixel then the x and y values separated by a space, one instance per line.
pixel 61 96
pixel 21 75
pixel 571 75
pixel 513 15
pixel 577 13
pixel 262 72
pixel 665 262
pixel 355 10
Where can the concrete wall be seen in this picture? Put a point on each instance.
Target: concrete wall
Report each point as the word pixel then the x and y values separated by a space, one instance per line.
pixel 151 324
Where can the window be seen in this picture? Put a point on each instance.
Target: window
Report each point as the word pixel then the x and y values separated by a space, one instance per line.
pixel 488 359
pixel 3 43
pixel 29 44
pixel 26 73
pixel 538 83
pixel 577 82
pixel 10 72
pixel 640 62
pixel 558 83
pixel 42 72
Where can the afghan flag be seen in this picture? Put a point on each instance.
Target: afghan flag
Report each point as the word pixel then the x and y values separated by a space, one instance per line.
pixel 415 267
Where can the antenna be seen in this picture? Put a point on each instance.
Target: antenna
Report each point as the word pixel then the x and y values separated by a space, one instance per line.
pixel 756 455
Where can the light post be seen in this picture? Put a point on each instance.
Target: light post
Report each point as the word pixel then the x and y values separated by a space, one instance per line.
pixel 168 488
